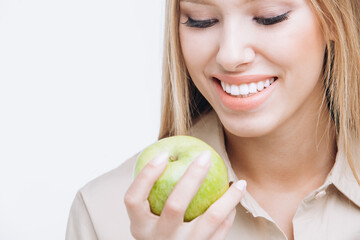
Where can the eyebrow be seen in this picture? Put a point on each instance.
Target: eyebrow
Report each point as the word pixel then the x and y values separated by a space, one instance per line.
pixel 204 2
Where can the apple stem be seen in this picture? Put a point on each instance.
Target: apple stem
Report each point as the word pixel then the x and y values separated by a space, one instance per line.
pixel 172 158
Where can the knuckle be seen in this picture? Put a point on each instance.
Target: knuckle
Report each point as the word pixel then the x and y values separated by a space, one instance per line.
pixel 214 218
pixel 130 201
pixel 195 172
pixel 227 223
pixel 146 173
pixel 195 175
pixel 174 208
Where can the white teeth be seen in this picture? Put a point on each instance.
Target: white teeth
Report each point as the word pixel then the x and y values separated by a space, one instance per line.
pixel 246 90
pixel 235 90
pixel 267 83
pixel 252 88
pixel 260 85
pixel 228 88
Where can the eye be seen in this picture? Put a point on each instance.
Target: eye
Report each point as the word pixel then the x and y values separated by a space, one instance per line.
pixel 272 20
pixel 200 23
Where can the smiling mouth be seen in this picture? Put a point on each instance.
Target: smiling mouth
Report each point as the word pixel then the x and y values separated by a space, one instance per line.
pixel 246 89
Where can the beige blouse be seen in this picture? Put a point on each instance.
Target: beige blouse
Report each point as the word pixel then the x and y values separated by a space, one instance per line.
pixel 331 212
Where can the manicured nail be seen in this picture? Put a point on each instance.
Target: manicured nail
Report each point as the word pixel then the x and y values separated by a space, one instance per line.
pixel 241 185
pixel 158 160
pixel 204 158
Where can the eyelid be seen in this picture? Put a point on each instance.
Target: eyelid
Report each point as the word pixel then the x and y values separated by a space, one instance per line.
pixel 272 20
pixel 206 23
pixel 190 22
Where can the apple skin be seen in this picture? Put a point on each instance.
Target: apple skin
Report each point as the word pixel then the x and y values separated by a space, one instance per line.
pixel 184 149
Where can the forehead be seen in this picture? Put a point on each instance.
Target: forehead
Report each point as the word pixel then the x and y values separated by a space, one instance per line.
pixel 220 2
pixel 208 2
pixel 239 3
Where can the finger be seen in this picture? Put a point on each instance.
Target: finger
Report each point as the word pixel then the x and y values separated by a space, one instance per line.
pixel 136 196
pixel 219 210
pixel 224 228
pixel 172 215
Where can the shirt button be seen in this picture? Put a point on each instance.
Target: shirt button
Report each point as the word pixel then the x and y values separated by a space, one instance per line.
pixel 320 194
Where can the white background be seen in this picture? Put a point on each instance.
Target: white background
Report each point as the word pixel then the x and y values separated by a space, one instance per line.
pixel 79 94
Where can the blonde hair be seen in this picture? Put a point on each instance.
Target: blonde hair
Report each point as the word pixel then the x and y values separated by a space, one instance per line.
pixel 340 20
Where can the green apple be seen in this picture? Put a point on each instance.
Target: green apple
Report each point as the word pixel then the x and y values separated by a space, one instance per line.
pixel 183 150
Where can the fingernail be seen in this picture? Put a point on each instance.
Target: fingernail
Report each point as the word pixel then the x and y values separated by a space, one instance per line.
pixel 241 185
pixel 204 158
pixel 162 157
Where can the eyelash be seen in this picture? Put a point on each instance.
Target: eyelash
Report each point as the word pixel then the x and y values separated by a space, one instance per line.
pixel 200 23
pixel 260 20
pixel 273 20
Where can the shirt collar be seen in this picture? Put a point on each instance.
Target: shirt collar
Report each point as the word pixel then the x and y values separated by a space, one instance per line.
pixel 209 129
pixel 342 176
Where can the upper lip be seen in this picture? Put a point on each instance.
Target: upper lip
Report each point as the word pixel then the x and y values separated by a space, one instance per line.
pixel 239 79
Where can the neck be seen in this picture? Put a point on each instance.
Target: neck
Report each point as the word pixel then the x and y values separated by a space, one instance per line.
pixel 294 156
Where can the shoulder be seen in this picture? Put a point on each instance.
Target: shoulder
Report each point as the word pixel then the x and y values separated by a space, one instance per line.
pixel 98 208
pixel 112 182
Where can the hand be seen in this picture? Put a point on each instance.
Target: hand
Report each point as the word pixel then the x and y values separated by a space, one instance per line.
pixel 213 224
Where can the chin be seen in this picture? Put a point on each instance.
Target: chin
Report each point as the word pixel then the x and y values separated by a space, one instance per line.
pixel 248 129
pixel 248 133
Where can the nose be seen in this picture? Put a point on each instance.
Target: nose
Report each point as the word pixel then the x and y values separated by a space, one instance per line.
pixel 235 48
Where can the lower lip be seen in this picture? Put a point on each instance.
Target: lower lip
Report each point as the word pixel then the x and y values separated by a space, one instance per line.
pixel 244 103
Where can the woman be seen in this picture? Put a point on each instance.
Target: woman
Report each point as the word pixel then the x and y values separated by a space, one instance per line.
pixel 274 87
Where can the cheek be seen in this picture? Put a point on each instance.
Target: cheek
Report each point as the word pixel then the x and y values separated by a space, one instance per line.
pixel 198 47
pixel 199 50
pixel 300 50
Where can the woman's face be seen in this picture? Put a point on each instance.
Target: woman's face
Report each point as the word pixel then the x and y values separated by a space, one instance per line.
pixel 257 62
